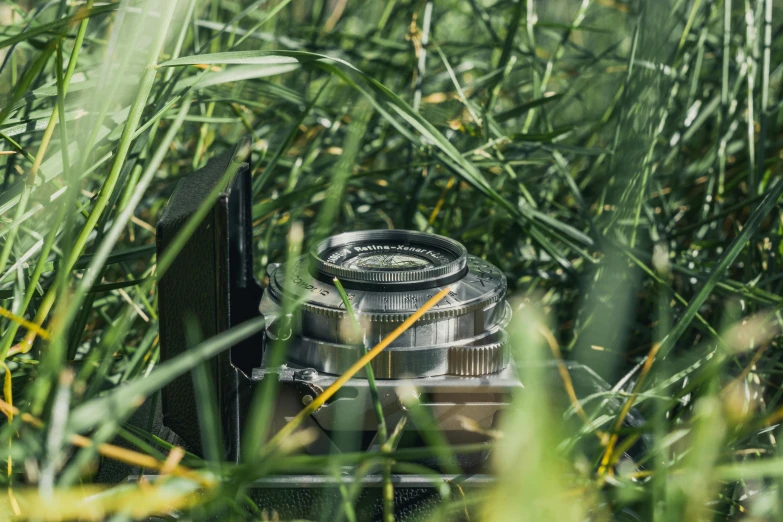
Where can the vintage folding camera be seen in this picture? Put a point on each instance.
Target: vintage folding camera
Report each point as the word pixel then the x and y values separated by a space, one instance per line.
pixel 456 356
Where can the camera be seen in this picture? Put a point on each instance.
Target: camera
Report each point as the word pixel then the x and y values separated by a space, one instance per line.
pixel 456 356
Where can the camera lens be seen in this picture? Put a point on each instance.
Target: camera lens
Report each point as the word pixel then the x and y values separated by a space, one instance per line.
pixel 388 275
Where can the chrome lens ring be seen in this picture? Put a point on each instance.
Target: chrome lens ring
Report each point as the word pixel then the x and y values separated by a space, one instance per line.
pixel 386 259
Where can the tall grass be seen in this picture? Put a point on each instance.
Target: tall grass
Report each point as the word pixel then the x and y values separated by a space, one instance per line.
pixel 618 160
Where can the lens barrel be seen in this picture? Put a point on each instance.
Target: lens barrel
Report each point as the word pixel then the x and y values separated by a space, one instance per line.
pixel 388 275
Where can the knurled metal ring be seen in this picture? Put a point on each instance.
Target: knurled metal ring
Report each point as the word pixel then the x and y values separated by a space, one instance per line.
pixel 478 360
pixel 398 317
pixel 485 354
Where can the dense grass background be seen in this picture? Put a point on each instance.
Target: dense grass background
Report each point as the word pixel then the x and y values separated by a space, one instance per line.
pixel 619 161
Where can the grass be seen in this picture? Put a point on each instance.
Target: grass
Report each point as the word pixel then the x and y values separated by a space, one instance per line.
pixel 620 161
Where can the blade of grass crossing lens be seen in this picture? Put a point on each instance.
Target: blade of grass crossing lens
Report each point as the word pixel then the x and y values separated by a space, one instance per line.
pixel 353 370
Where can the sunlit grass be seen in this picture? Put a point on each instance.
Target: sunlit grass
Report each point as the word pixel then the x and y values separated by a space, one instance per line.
pixel 619 161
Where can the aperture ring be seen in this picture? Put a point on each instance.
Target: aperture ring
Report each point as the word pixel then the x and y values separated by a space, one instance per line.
pixel 393 317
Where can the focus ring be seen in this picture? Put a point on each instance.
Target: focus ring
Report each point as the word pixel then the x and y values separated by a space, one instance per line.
pixel 477 360
pixel 392 317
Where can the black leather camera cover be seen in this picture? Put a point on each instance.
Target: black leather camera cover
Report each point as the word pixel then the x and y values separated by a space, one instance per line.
pixel 211 282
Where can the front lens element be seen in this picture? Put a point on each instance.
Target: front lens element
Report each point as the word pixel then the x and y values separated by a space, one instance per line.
pixel 387 262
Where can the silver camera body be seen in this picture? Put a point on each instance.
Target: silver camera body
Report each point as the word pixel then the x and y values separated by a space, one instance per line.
pixel 455 356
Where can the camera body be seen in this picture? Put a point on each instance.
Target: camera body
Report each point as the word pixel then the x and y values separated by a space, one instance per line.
pixel 212 285
pixel 456 357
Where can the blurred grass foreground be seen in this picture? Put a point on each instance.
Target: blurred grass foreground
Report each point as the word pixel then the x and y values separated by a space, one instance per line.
pixel 619 160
